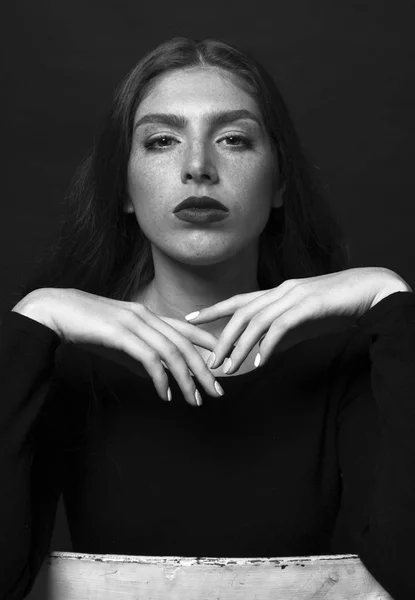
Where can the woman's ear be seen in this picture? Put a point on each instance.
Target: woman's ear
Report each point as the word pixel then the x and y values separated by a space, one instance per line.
pixel 127 206
pixel 277 200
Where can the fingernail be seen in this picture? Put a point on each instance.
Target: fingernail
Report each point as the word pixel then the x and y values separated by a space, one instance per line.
pixel 219 388
pixel 210 361
pixel 169 394
pixel 227 365
pixel 257 360
pixel 198 398
pixel 192 315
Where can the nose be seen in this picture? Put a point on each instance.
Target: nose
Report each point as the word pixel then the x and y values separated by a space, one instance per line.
pixel 198 165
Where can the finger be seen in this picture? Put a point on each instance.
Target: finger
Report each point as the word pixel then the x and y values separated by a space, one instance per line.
pixel 195 334
pixel 151 356
pixel 251 303
pixel 297 324
pixel 178 353
pixel 225 308
pixel 250 323
pixel 199 336
pixel 135 348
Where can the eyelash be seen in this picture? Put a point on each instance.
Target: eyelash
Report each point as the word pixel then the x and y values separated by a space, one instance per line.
pixel 247 143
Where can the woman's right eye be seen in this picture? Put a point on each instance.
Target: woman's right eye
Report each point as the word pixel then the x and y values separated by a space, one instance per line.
pixel 149 144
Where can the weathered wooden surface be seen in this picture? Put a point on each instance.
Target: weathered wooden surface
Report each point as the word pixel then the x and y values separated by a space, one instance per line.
pixel 73 576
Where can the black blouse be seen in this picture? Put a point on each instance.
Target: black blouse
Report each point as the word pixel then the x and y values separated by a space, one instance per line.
pixel 313 453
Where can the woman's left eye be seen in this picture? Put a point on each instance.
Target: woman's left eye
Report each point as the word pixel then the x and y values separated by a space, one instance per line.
pixel 150 145
pixel 246 142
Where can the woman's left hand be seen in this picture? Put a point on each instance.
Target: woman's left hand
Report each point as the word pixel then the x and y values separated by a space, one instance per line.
pixel 297 310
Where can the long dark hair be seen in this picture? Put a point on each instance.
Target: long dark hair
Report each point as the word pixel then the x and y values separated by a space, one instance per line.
pixel 102 250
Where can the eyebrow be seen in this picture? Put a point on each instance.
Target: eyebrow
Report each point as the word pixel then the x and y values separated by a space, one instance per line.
pixel 217 118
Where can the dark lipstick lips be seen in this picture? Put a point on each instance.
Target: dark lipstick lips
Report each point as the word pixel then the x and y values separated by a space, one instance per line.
pixel 200 202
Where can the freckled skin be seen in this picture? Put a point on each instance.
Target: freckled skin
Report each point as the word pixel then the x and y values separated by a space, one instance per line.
pixel 196 266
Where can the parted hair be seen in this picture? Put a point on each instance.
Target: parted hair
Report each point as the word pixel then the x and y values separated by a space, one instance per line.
pixel 101 249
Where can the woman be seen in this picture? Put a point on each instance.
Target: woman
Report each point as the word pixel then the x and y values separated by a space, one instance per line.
pixel 305 450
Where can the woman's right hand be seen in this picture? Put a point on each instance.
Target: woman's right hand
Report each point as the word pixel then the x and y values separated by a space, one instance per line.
pixel 127 332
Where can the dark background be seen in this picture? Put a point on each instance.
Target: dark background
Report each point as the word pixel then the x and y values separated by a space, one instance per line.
pixel 345 69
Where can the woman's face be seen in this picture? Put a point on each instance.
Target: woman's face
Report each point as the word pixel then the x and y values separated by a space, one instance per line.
pixel 231 162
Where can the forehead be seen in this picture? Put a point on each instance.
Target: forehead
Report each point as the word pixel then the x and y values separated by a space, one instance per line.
pixel 197 89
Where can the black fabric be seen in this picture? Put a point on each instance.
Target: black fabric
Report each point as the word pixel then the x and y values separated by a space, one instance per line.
pixel 313 453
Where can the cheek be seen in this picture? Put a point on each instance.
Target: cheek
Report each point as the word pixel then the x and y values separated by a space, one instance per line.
pixel 149 188
pixel 255 184
pixel 141 180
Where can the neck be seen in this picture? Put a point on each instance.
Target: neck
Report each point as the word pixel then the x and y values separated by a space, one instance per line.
pixel 178 289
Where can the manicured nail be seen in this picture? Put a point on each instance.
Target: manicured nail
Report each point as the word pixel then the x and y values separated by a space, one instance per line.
pixel 192 315
pixel 227 365
pixel 198 398
pixel 211 360
pixel 219 388
pixel 257 360
pixel 169 394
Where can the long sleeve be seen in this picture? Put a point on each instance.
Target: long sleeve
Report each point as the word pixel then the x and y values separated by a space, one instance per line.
pixel 29 467
pixel 376 446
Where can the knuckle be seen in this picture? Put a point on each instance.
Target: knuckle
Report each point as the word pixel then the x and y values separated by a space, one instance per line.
pixel 153 358
pixel 301 288
pixel 258 319
pixel 174 352
pixel 284 321
pixel 186 345
pixel 128 317
pixel 136 307
pixel 238 315
pixel 155 367
pixel 288 284
pixel 160 373
pixel 116 335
